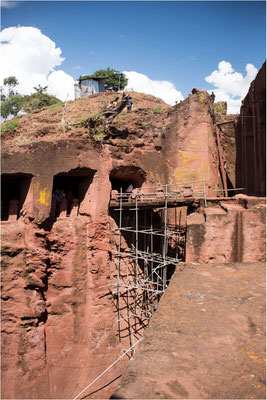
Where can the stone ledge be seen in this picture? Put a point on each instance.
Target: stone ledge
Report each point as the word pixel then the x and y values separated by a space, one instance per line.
pixel 207 336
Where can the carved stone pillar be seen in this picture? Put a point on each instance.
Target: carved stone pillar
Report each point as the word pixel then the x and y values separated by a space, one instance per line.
pixel 63 208
pixel 13 210
pixel 53 208
pixel 74 208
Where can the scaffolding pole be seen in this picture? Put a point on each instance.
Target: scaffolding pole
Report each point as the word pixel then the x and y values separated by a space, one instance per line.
pixel 118 269
pixel 143 268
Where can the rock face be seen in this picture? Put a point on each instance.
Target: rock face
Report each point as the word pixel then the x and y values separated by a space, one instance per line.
pixel 226 124
pixel 56 315
pixel 227 231
pixel 189 142
pixel 59 321
pixel 206 340
pixel 251 138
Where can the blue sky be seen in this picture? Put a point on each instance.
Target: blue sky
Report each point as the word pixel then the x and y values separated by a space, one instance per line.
pixel 179 41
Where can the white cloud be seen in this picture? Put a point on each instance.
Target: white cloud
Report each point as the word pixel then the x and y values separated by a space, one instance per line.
pixel 165 90
pixel 231 86
pixel 60 85
pixel 31 56
pixel 8 4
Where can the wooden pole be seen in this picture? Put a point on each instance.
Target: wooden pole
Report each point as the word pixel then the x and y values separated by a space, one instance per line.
pixel 221 162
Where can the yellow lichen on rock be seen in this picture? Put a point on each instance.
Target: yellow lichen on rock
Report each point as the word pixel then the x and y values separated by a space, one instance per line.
pixel 44 197
pixel 202 97
pixel 183 174
pixel 186 157
pixel 186 174
pixel 42 193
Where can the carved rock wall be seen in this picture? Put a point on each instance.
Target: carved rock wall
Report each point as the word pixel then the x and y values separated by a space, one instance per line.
pixel 58 321
pixel 206 339
pixel 251 139
pixel 227 231
pixel 58 317
pixel 189 143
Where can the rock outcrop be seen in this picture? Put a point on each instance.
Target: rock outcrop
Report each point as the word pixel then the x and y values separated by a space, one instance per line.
pixel 251 139
pixel 206 340
pixel 59 320
pixel 227 231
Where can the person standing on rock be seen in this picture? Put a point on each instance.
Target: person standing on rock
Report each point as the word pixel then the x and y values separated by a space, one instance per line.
pixel 212 96
pixel 129 104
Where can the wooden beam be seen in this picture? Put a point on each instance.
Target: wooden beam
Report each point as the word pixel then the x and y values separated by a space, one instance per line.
pixel 221 162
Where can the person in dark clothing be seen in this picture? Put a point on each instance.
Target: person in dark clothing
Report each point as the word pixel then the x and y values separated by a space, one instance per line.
pixel 212 96
pixel 129 104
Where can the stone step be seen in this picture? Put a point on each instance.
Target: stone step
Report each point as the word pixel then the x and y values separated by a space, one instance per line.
pixel 232 207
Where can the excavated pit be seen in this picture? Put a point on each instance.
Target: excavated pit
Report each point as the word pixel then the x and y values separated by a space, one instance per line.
pixel 59 279
pixel 14 188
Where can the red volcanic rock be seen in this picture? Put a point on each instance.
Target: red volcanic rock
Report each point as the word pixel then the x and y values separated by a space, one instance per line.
pixel 227 231
pixel 251 138
pixel 206 339
pixel 59 316
pixel 58 313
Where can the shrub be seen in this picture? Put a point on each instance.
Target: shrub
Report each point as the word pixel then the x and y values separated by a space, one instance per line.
pixel 79 121
pixel 39 100
pixel 157 110
pixel 10 125
pixel 98 133
pixel 219 109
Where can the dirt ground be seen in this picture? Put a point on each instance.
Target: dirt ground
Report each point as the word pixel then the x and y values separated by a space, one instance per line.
pixel 207 338
pixel 55 123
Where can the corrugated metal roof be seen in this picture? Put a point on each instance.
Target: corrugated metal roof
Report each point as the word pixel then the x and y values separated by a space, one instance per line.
pixel 96 78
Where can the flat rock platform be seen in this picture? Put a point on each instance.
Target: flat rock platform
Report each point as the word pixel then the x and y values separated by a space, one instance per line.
pixel 207 338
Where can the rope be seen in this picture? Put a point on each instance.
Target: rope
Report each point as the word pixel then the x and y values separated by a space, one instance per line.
pixel 66 102
pixel 99 376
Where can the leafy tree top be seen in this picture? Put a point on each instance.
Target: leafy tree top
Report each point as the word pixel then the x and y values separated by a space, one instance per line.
pixel 13 102
pixel 11 81
pixel 115 80
pixel 40 89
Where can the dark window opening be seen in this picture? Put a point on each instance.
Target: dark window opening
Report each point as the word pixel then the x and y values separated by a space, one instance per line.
pixel 69 190
pixel 14 189
pixel 126 179
pixel 122 185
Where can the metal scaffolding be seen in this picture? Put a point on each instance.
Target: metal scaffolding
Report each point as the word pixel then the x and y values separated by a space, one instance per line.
pixel 151 242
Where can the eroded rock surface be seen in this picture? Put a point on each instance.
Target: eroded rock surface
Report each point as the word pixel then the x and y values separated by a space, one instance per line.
pixel 206 340
pixel 227 231
pixel 251 138
pixel 59 320
pixel 58 325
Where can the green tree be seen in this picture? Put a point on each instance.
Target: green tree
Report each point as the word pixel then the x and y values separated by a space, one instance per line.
pixel 39 99
pixel 40 89
pixel 12 102
pixel 115 80
pixel 36 101
pixel 12 106
pixel 10 83
pixel 3 96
